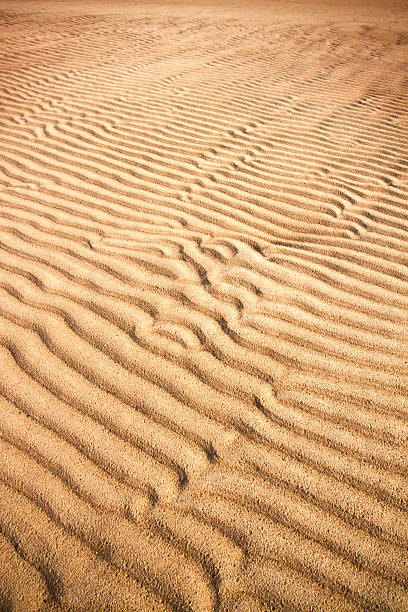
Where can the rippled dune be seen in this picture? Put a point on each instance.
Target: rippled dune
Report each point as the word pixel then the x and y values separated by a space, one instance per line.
pixel 203 306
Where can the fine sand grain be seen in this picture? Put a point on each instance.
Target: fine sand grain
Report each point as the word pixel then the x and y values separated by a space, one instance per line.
pixel 203 306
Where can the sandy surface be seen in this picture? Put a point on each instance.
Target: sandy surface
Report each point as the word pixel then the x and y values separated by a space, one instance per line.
pixel 203 306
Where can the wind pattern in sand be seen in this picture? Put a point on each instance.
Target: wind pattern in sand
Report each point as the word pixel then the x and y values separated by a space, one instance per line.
pixel 203 314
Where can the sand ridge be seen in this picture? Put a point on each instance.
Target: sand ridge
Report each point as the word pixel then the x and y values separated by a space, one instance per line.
pixel 203 307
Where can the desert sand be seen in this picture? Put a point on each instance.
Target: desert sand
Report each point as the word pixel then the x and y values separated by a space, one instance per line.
pixel 203 306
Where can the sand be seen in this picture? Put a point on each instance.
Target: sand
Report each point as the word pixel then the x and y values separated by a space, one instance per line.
pixel 203 306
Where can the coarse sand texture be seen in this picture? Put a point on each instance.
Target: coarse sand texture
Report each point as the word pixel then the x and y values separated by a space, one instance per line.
pixel 203 306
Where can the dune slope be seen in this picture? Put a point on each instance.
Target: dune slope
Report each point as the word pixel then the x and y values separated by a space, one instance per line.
pixel 203 307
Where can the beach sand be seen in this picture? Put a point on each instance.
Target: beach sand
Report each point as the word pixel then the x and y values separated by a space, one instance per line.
pixel 203 306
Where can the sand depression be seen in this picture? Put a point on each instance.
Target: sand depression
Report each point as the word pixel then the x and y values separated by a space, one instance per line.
pixel 203 306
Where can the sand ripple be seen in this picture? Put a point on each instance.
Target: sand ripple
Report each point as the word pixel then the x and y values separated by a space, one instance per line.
pixel 203 312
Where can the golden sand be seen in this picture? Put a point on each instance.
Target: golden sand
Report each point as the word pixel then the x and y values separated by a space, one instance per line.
pixel 203 306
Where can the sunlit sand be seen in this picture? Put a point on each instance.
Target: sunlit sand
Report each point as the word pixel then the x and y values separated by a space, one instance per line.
pixel 203 306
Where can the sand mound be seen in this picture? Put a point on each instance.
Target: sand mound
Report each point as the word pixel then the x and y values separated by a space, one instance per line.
pixel 203 307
